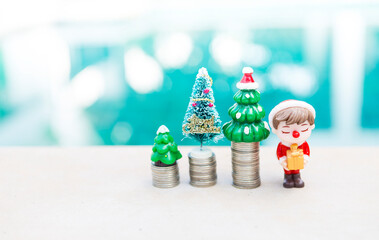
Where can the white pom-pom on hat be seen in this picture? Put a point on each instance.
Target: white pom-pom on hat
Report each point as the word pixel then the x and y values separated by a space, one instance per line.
pixel 247 70
pixel 162 129
pixel 288 104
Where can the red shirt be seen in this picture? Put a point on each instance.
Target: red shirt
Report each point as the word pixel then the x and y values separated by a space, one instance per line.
pixel 281 151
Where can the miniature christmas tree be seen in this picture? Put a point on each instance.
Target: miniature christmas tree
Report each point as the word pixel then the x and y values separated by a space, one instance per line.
pixel 245 131
pixel 201 121
pixel 246 124
pixel 165 150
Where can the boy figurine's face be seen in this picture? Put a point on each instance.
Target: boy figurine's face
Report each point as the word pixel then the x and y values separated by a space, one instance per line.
pixel 294 133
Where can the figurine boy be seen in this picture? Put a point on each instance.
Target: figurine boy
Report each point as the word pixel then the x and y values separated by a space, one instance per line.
pixel 293 121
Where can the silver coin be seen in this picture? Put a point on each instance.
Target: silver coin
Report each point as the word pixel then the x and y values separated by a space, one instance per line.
pixel 245 147
pixel 251 186
pixel 197 184
pixel 245 165
pixel 165 177
pixel 202 171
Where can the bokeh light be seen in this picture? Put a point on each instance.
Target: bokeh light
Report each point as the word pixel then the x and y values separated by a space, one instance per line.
pixel 87 86
pixel 142 72
pixel 299 80
pixel 173 50
pixel 226 50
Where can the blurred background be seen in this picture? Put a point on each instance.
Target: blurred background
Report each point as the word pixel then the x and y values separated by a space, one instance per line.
pixel 75 72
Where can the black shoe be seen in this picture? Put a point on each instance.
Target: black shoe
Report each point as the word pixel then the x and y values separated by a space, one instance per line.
pixel 288 181
pixel 299 183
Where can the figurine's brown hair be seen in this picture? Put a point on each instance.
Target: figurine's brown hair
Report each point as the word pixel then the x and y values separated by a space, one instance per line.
pixel 293 115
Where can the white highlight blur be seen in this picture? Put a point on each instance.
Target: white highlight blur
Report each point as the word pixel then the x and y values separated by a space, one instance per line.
pixel 142 72
pixel 18 15
pixel 301 81
pixel 121 133
pixel 173 50
pixel 37 63
pixel 87 86
pixel 226 50
pixel 256 55
pixel 348 75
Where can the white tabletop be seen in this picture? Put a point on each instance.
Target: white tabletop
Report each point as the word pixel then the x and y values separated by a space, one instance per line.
pixel 106 193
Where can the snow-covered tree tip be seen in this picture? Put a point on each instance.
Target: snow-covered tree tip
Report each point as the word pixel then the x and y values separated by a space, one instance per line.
pixel 162 129
pixel 202 73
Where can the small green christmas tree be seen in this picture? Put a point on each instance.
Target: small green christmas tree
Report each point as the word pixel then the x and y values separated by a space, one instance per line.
pixel 165 150
pixel 246 124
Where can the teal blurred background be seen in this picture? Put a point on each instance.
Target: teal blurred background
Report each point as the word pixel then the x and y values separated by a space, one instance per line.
pixel 111 72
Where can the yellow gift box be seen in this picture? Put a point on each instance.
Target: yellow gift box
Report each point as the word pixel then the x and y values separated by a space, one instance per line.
pixel 295 158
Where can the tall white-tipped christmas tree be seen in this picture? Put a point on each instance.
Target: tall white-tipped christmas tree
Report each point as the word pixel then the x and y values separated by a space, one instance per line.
pixel 202 123
pixel 202 106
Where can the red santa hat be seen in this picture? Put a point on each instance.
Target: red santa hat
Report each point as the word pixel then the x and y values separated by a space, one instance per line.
pixel 288 104
pixel 247 81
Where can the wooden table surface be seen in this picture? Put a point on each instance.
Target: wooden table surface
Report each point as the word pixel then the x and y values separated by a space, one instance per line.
pixel 106 193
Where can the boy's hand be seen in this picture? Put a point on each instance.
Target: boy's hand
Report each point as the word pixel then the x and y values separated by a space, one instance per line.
pixel 306 159
pixel 283 162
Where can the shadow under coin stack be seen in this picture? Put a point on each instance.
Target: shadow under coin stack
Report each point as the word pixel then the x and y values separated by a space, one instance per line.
pixel 202 170
pixel 245 163
pixel 165 177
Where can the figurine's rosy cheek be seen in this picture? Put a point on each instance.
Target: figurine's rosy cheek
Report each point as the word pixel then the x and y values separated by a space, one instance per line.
pixel 305 127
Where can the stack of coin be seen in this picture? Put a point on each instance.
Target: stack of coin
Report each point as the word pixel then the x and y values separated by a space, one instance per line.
pixel 165 177
pixel 245 163
pixel 202 170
